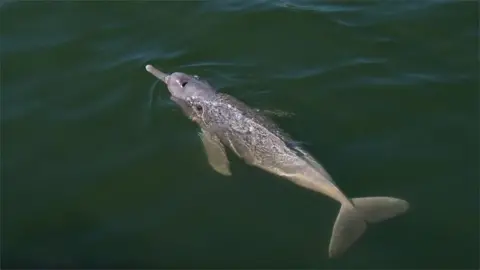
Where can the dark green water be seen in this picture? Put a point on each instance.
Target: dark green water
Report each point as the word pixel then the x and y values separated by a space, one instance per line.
pixel 385 95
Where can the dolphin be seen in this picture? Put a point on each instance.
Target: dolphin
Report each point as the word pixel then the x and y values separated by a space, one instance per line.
pixel 226 122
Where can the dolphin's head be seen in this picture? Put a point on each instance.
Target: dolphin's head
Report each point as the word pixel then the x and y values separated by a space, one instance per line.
pixel 183 86
pixel 189 92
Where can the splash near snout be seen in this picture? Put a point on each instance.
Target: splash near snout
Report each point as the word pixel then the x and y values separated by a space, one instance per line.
pixel 157 73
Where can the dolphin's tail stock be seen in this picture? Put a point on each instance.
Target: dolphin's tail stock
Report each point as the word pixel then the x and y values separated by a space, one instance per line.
pixel 352 220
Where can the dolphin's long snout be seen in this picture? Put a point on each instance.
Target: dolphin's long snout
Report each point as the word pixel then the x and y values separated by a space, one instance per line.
pixel 157 73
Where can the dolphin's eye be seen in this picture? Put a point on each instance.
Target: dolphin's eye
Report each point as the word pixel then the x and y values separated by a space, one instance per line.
pixel 184 83
pixel 199 108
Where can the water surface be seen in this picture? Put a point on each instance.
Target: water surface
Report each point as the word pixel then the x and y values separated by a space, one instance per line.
pixel 385 95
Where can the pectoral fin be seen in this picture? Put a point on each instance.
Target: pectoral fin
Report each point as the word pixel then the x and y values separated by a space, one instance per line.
pixel 216 154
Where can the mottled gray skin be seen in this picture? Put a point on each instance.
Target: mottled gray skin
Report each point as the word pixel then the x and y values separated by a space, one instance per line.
pixel 227 121
pixel 248 133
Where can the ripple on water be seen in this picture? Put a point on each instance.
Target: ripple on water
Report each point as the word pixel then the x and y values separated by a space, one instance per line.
pixel 377 12
pixel 236 5
pixel 411 79
pixel 320 70
pixel 315 6
pixel 39 32
pixel 219 74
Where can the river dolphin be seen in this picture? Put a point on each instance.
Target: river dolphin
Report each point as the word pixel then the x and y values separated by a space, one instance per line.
pixel 255 138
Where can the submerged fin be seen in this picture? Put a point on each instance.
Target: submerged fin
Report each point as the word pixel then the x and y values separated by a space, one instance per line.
pixel 216 154
pixel 277 113
pixel 351 221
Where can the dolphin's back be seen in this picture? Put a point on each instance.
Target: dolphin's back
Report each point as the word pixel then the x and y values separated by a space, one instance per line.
pixel 247 117
pixel 258 140
pixel 242 128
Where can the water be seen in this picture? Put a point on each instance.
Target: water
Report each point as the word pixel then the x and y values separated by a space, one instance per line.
pixel 384 94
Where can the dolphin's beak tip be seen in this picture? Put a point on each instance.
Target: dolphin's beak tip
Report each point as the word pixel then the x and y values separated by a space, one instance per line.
pixel 157 73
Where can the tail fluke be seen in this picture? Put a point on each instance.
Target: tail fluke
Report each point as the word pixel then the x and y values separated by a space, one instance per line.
pixel 351 221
